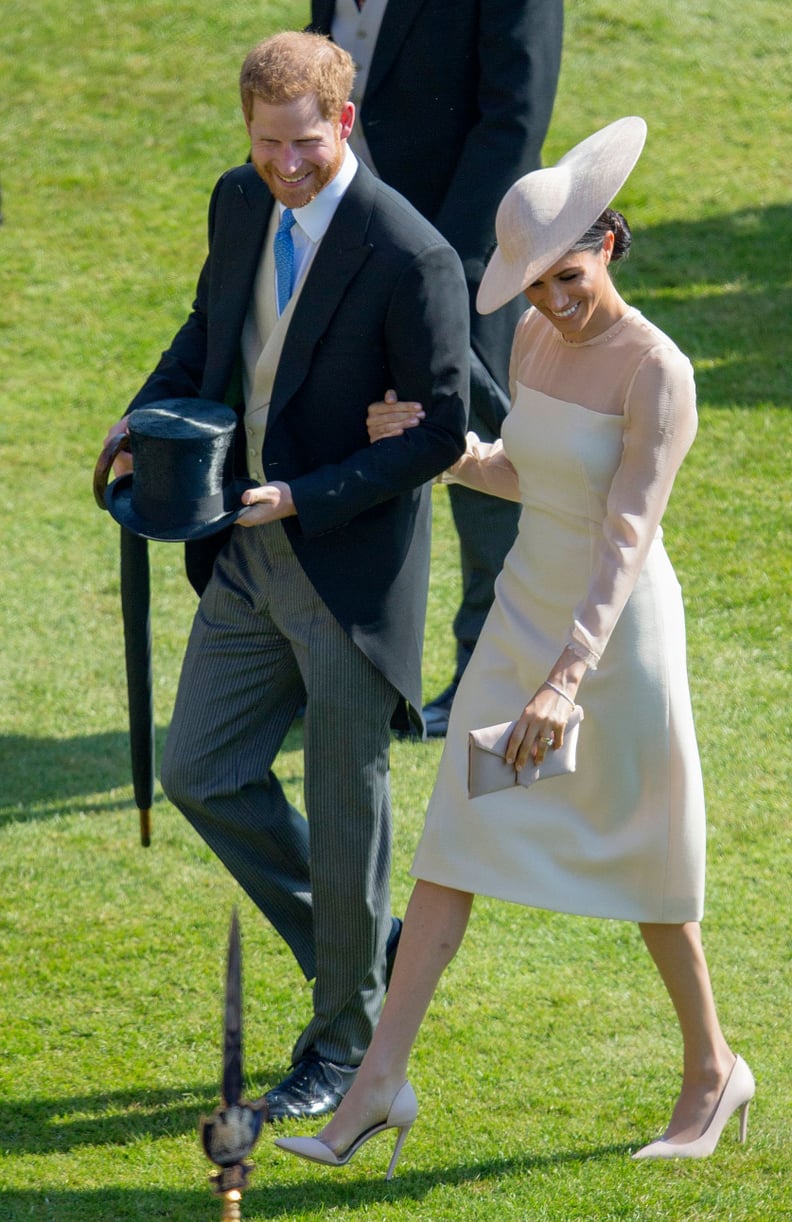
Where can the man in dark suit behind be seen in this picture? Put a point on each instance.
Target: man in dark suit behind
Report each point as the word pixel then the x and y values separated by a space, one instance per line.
pixel 321 587
pixel 454 102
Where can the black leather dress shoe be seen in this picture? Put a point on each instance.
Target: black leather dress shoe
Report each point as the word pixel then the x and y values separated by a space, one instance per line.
pixel 436 713
pixel 313 1088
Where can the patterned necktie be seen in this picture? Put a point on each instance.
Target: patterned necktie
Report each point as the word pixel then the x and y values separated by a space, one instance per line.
pixel 284 259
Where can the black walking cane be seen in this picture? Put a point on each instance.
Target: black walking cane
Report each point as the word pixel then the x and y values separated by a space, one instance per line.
pixel 135 609
pixel 136 613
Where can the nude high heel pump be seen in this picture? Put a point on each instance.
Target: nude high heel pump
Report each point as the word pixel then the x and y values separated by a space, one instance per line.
pixel 402 1114
pixel 736 1097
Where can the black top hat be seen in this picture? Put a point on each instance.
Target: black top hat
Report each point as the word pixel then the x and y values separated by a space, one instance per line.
pixel 183 484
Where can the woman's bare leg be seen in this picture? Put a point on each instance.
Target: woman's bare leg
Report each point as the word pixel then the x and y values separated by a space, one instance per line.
pixel 434 925
pixel 708 1060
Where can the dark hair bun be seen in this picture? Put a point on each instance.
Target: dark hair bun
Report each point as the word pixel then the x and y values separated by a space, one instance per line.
pixel 621 233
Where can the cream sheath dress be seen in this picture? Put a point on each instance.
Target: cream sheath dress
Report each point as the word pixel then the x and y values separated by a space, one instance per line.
pixel 591 446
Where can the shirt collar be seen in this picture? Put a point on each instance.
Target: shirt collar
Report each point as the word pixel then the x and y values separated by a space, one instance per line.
pixel 314 218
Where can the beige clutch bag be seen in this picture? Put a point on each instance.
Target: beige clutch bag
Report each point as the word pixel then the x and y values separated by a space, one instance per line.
pixel 488 771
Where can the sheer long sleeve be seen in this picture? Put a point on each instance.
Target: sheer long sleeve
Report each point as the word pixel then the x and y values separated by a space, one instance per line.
pixel 485 467
pixel 659 426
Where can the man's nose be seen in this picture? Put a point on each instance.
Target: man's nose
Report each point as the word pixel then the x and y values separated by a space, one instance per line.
pixel 288 159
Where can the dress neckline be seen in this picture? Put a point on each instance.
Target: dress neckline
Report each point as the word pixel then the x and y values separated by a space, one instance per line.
pixel 555 402
pixel 604 337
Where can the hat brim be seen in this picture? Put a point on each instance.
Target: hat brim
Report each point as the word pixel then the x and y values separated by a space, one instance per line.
pixel 118 499
pixel 587 179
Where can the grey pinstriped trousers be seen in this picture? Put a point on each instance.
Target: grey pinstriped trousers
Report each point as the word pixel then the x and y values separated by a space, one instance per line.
pixel 261 634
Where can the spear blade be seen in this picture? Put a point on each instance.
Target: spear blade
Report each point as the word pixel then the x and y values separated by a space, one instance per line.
pixel 232 1040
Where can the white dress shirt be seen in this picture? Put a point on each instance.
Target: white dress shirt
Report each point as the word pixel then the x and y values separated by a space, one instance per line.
pixel 313 220
pixel 264 330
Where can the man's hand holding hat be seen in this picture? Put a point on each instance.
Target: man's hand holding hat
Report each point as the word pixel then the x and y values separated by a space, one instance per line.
pixel 267 503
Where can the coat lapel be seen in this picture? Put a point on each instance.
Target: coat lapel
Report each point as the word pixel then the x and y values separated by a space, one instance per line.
pixel 238 251
pixel 399 16
pixel 322 14
pixel 394 29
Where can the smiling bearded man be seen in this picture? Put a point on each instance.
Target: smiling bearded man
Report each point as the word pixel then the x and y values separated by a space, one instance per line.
pixel 322 289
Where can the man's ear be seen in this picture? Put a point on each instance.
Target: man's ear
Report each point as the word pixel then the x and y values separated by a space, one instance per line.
pixel 347 120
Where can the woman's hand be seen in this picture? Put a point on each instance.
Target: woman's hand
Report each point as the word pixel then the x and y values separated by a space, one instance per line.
pixel 539 729
pixel 390 417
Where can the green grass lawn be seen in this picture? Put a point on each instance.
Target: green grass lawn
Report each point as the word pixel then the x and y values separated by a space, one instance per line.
pixel 550 1051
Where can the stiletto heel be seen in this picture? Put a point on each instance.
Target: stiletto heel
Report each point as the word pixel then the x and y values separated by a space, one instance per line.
pixel 397 1149
pixel 401 1116
pixel 736 1097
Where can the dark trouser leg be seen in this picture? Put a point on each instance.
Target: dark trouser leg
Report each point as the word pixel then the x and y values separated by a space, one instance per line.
pixel 347 797
pixel 486 527
pixel 260 634
pixel 239 688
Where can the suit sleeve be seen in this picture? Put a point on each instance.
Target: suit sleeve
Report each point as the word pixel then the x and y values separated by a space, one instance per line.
pixel 519 58
pixel 427 344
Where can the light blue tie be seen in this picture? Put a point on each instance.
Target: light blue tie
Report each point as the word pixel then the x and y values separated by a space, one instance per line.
pixel 284 259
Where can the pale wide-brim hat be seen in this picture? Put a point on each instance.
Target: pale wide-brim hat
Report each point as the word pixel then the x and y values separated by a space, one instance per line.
pixel 545 212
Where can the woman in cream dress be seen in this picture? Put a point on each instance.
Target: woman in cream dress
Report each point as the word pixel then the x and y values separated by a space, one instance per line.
pixel 596 433
pixel 587 606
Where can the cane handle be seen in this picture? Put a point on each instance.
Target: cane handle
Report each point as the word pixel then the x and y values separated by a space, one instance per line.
pixel 117 443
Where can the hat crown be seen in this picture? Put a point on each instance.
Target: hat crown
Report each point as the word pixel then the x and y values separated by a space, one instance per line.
pixel 182 461
pixel 531 209
pixel 182 484
pixel 544 213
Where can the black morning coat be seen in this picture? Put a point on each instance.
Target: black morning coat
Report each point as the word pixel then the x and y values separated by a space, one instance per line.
pixel 384 304
pixel 456 108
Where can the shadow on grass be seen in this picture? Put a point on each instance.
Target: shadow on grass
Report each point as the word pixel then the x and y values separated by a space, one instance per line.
pixel 322 1193
pixel 44 777
pixel 113 1204
pixel 721 288
pixel 44 772
pixel 112 1118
